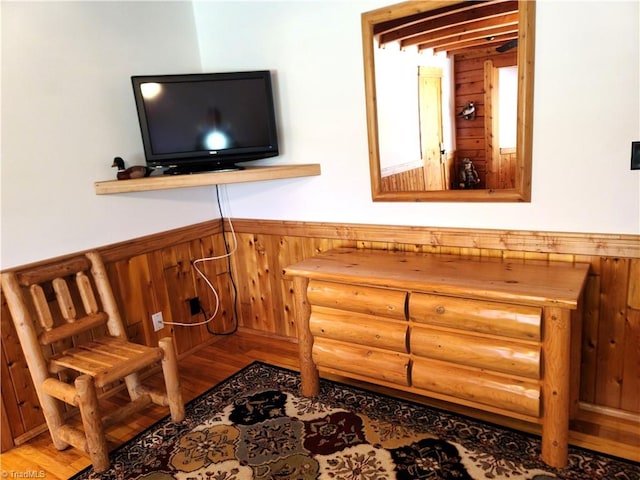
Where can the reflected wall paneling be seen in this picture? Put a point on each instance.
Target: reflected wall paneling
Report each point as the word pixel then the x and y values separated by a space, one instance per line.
pixel 409 180
pixel 470 134
pixel 155 273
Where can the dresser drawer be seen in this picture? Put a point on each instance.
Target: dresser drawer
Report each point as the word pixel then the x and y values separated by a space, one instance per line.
pixel 359 328
pixel 355 298
pixel 502 319
pixel 514 395
pixel 498 355
pixel 372 363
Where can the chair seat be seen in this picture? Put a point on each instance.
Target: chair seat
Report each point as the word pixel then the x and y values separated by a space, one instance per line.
pixel 106 359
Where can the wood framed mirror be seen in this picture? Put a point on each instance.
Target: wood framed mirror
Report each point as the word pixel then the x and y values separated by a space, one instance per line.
pixel 449 84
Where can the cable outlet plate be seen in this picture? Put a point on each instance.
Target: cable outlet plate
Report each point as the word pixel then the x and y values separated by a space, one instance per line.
pixel 194 305
pixel 158 321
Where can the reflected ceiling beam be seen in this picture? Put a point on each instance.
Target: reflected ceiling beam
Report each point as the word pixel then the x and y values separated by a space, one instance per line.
pixel 479 38
pixel 474 45
pixel 453 27
pixel 408 20
pixel 484 28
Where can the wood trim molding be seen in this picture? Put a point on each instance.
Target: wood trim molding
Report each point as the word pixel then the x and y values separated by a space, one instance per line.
pixel 608 245
pixel 598 244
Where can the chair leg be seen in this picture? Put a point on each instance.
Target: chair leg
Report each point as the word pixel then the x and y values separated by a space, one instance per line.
pixel 92 422
pixel 53 417
pixel 132 381
pixel 172 379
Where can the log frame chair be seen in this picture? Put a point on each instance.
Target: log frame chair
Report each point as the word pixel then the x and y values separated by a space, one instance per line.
pixel 95 361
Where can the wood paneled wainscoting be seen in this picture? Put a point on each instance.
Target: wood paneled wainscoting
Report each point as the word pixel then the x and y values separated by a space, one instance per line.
pixel 405 181
pixel 156 273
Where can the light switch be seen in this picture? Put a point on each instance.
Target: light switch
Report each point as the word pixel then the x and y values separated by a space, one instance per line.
pixel 635 155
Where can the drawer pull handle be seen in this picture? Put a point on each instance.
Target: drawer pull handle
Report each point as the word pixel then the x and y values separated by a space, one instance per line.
pixel 440 309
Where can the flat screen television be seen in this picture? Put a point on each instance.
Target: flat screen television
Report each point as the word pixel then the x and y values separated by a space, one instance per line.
pixel 207 121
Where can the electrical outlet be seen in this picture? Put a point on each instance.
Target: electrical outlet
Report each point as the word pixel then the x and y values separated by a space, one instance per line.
pixel 194 305
pixel 158 321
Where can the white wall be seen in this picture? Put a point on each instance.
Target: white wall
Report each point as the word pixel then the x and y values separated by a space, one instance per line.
pixel 67 110
pixel 508 106
pixel 586 108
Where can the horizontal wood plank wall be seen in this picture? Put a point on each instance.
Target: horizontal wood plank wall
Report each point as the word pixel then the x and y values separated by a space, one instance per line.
pixel 155 273
pixel 610 373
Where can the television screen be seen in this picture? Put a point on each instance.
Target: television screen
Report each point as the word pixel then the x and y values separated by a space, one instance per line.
pixel 202 122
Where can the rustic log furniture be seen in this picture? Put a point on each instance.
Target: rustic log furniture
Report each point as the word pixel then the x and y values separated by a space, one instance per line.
pixel 488 333
pixel 69 362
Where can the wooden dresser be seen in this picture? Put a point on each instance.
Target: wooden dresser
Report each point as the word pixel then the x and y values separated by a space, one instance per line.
pixel 498 335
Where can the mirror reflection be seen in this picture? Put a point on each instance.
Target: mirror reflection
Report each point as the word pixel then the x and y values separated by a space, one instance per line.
pixel 448 93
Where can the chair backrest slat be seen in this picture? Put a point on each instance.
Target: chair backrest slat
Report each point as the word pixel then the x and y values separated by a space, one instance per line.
pixel 41 306
pixel 67 308
pixel 86 293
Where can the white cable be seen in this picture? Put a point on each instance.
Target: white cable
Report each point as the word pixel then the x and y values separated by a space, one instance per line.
pixel 208 282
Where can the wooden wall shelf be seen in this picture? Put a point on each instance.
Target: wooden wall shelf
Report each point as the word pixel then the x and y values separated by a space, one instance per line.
pixel 248 174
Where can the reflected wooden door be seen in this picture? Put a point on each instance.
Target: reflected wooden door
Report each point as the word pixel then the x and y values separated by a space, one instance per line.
pixel 430 100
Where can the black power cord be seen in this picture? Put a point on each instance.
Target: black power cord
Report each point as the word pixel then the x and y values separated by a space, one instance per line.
pixel 233 283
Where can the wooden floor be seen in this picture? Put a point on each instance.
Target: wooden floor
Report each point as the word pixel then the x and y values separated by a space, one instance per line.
pixel 212 364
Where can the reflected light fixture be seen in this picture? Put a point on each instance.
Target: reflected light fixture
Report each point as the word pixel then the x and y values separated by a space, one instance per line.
pixel 216 140
pixel 150 90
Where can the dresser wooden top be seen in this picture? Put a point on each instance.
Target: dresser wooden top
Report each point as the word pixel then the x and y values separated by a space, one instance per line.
pixel 533 283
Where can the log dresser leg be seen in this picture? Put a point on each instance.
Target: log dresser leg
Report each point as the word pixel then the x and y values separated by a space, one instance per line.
pixel 556 386
pixel 308 371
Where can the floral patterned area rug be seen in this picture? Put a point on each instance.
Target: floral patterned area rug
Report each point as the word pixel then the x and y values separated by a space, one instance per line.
pixel 256 425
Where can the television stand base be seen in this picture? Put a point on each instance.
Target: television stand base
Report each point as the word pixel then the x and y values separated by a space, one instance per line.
pixel 189 170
